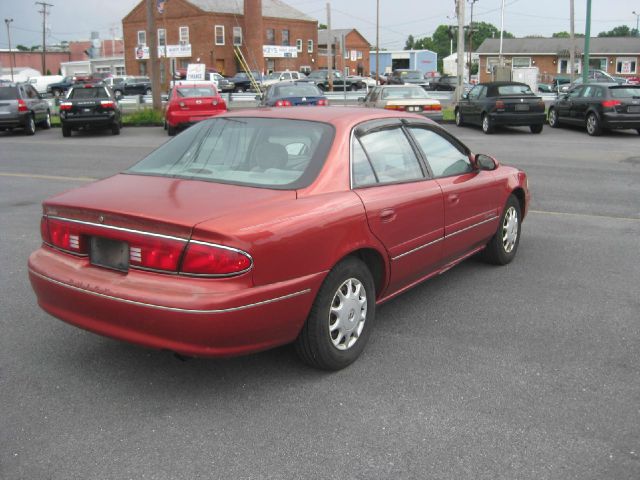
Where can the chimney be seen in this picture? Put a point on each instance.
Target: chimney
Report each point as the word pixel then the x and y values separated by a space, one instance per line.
pixel 253 34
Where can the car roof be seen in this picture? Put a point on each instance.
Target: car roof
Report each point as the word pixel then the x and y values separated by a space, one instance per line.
pixel 502 83
pixel 414 86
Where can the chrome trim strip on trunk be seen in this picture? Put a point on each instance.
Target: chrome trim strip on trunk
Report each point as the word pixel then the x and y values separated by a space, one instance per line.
pixel 171 309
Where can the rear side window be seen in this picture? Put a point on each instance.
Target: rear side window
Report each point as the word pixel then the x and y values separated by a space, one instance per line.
pixel 8 93
pixel 92 92
pixel 627 92
pixel 514 90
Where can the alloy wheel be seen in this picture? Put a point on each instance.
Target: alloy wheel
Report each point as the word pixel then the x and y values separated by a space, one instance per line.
pixel 510 229
pixel 348 314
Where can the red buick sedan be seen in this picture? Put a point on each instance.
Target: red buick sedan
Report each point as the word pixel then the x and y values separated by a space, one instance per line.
pixel 190 103
pixel 260 228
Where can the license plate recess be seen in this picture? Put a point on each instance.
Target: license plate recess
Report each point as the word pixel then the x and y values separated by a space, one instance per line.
pixel 108 253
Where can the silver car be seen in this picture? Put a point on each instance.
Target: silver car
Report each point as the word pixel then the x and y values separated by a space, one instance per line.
pixel 22 107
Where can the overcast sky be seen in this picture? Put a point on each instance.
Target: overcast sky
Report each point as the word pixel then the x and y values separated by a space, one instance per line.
pixel 76 19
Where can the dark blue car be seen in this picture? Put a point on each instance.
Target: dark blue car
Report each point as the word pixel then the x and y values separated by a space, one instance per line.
pixel 291 94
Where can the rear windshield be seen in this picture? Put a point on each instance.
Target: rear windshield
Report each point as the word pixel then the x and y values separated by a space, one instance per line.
pixel 90 92
pixel 8 93
pixel 396 93
pixel 207 91
pixel 260 152
pixel 625 92
pixel 297 91
pixel 514 90
pixel 411 74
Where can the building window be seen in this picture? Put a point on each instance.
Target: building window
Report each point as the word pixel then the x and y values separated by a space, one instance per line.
pixel 598 63
pixel 120 71
pixel 285 37
pixel 310 46
pixel 219 34
pixel 492 62
pixel 521 62
pixel 162 37
pixel 626 65
pixel 142 38
pixel 271 36
pixel 306 69
pixel 359 55
pixel 237 36
pixel 184 35
pixel 299 44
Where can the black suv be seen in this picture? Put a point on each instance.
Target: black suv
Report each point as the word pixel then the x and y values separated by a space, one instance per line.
pixel 90 106
pixel 22 107
pixel 133 86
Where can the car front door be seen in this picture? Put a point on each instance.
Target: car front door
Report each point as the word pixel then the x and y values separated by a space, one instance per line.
pixel 581 104
pixel 404 207
pixel 470 196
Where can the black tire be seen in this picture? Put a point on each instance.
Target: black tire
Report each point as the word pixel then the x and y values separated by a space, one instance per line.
pixel 638 130
pixel 30 126
pixel 321 347
pixel 56 92
pixel 503 246
pixel 46 123
pixel 353 88
pixel 239 89
pixel 171 131
pixel 115 129
pixel 535 128
pixel 593 125
pixel 147 91
pixel 554 120
pixel 117 94
pixel 487 124
pixel 66 131
pixel 459 119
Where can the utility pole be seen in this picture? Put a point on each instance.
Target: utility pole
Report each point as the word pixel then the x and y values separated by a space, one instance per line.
pixel 329 50
pixel 572 51
pixel 44 32
pixel 501 32
pixel 460 54
pixel 587 40
pixel 154 72
pixel 637 23
pixel 377 42
pixel 11 59
pixel 471 38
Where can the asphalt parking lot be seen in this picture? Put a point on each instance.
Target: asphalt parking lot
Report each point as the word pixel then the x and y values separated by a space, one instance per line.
pixel 529 371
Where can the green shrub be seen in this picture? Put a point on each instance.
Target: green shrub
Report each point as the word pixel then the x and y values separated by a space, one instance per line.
pixel 148 116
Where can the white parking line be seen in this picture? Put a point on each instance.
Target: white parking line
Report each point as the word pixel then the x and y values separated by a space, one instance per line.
pixel 48 177
pixel 587 215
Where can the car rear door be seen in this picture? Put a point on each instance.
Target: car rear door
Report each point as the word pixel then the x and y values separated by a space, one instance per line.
pixel 470 196
pixel 404 207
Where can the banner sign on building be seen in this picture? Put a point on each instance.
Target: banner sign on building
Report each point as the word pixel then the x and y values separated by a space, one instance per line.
pixel 173 51
pixel 278 51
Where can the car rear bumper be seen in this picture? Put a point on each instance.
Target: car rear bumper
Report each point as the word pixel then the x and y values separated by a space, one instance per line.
pixel 13 120
pixel 190 316
pixel 619 121
pixel 518 119
pixel 184 119
pixel 90 120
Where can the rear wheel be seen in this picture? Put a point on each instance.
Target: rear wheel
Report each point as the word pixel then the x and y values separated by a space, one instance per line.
pixel 66 131
pixel 239 89
pixel 147 91
pixel 46 123
pixel 554 121
pixel 115 129
pixel 487 124
pixel 593 125
pixel 535 128
pixel 30 126
pixel 171 131
pixel 341 318
pixel 502 247
pixel 459 120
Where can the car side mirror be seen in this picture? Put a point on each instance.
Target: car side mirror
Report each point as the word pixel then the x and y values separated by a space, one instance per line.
pixel 485 162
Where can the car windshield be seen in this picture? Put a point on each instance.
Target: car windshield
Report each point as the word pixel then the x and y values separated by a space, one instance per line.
pixel 317 74
pixel 207 91
pixel 90 92
pixel 625 92
pixel 411 74
pixel 8 93
pixel 260 152
pixel 296 91
pixel 514 90
pixel 273 76
pixel 395 93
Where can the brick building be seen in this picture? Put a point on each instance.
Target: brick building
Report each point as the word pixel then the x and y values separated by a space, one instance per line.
pixel 271 35
pixel 618 56
pixel 350 49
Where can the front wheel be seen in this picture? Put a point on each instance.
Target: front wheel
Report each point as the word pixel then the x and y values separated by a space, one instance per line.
pixel 66 131
pixel 239 89
pixel 341 317
pixel 487 124
pixel 115 129
pixel 30 126
pixel 502 247
pixel 147 91
pixel 459 120
pixel 46 123
pixel 593 125
pixel 535 128
pixel 117 94
pixel 554 121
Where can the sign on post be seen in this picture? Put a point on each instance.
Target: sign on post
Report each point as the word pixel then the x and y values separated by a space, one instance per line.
pixel 196 71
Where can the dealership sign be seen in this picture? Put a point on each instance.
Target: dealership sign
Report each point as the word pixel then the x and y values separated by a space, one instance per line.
pixel 142 53
pixel 277 51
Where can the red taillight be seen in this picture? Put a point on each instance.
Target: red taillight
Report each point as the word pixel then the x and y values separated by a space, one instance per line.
pixel 499 104
pixel 108 104
pixel 206 259
pixel 433 108
pixel 22 107
pixel 395 107
pixel 66 105
pixel 154 253
pixel 66 236
pixel 322 102
pixel 44 230
pixel 611 103
pixel 283 103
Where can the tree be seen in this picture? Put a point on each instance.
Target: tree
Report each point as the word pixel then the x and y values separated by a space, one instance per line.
pixel 620 31
pixel 322 26
pixel 22 48
pixel 566 35
pixel 410 43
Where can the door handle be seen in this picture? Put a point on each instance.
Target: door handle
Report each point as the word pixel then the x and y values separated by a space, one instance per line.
pixel 453 198
pixel 388 215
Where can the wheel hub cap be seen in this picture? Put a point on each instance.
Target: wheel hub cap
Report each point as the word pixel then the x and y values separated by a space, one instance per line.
pixel 510 230
pixel 348 314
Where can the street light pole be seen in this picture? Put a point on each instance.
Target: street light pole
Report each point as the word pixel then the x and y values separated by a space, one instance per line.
pixel 637 22
pixel 8 23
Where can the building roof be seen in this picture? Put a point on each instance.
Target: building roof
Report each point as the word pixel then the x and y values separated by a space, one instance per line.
pixel 336 33
pixel 559 46
pixel 270 8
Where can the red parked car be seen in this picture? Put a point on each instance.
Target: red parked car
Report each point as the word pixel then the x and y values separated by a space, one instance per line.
pixel 191 102
pixel 259 228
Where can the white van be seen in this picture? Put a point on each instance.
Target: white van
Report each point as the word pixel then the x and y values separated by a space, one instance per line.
pixel 40 83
